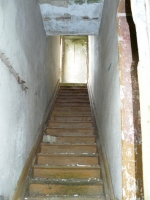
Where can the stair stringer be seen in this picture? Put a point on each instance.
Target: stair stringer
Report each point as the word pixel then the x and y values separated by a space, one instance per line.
pixel 108 188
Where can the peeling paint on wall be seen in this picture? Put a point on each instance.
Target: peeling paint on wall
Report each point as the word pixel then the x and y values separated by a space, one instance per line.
pixel 130 109
pixel 71 17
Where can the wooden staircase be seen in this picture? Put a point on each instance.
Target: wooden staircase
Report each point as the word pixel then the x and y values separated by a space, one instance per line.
pixel 69 167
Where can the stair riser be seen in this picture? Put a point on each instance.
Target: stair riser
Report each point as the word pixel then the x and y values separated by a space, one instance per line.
pixel 68 149
pixel 75 93
pixel 81 104
pixel 69 132
pixel 73 87
pixel 73 90
pixel 70 118
pixel 66 160
pixel 52 189
pixel 75 140
pixel 71 113
pixel 70 125
pixel 67 173
pixel 74 100
pixel 61 96
pixel 61 108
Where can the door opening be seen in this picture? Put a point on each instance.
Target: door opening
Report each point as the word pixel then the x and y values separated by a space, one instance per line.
pixel 74 59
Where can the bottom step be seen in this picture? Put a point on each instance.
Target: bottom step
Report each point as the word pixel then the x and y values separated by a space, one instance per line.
pixel 36 189
pixel 101 197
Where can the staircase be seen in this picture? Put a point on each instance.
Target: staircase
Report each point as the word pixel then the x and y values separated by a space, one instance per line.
pixel 68 167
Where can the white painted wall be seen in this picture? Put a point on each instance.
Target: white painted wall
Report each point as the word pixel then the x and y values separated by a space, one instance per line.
pixel 104 83
pixel 23 41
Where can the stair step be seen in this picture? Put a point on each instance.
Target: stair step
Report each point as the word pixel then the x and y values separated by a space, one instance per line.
pixel 71 118
pixel 66 172
pixel 48 187
pixel 81 104
pixel 67 148
pixel 67 108
pixel 64 96
pixel 70 197
pixel 71 113
pixel 73 87
pixel 75 140
pixel 75 93
pixel 69 159
pixel 69 132
pixel 74 100
pixel 70 124
pixel 73 90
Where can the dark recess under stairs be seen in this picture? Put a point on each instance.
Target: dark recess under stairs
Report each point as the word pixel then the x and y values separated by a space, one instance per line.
pixel 69 167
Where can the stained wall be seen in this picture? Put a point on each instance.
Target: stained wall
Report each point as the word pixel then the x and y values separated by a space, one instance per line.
pixel 105 88
pixel 29 72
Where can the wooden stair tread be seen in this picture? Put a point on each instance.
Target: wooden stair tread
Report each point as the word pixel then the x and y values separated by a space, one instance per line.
pixel 67 172
pixel 74 140
pixel 90 167
pixel 58 189
pixel 67 159
pixel 70 132
pixel 69 145
pixel 68 154
pixel 73 104
pixel 83 125
pixel 67 181
pixel 69 148
pixel 100 197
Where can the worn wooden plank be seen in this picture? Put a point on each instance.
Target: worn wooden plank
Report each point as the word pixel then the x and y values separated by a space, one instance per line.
pixel 58 189
pixel 70 124
pixel 75 140
pixel 63 160
pixel 69 132
pixel 65 172
pixel 71 118
pixel 68 148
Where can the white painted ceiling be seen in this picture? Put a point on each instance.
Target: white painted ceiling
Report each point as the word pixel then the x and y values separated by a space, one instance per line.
pixel 71 17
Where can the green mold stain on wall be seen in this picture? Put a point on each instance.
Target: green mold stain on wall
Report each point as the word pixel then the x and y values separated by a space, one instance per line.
pixel 94 1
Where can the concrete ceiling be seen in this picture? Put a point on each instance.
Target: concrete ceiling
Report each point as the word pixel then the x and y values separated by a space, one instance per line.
pixel 71 17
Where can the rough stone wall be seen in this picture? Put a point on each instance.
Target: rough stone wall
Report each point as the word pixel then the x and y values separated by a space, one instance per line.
pixel 63 17
pixel 29 71
pixel 104 82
